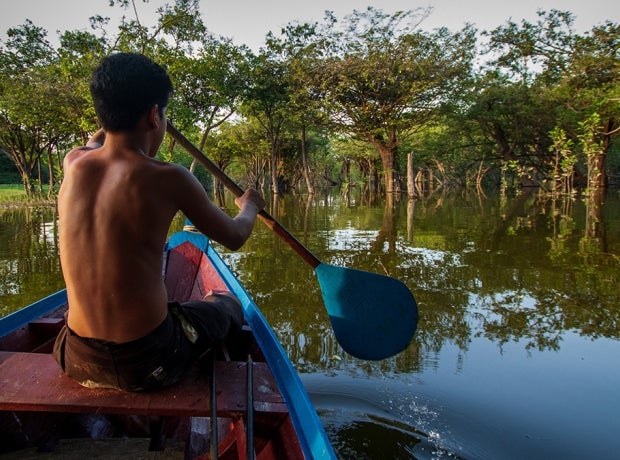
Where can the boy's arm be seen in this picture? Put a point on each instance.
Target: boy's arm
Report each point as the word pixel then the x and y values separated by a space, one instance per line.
pixel 210 219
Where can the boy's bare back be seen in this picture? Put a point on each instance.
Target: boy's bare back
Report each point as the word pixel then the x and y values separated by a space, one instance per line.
pixel 115 209
pixel 115 205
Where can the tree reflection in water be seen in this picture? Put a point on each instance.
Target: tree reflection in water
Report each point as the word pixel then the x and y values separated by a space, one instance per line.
pixel 502 286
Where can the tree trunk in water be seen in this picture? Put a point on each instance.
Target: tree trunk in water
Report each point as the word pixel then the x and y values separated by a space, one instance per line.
pixel 40 174
pixel 273 166
pixel 479 176
pixel 410 176
pixel 373 177
pixel 346 171
pixel 410 214
pixel 387 146
pixel 51 180
pixel 304 161
pixel 387 160
pixel 596 171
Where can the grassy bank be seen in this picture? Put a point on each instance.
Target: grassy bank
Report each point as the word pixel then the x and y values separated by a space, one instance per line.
pixel 14 194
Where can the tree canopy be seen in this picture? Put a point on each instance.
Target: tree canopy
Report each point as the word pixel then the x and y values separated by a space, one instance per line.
pixel 355 99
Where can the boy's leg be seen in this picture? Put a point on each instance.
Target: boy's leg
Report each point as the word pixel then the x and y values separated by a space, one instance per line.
pixel 217 317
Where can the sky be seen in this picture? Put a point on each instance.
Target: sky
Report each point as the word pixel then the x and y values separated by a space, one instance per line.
pixel 248 21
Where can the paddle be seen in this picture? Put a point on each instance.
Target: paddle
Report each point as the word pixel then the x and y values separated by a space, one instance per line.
pixel 373 316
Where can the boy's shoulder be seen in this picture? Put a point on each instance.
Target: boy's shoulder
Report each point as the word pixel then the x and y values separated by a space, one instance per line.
pixel 76 153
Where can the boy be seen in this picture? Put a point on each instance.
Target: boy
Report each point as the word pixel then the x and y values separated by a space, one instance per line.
pixel 115 207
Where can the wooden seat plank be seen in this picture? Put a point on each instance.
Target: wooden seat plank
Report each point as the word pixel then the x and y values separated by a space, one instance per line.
pixel 34 382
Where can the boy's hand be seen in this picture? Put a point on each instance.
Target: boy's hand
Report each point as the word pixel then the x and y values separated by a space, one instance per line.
pixel 251 197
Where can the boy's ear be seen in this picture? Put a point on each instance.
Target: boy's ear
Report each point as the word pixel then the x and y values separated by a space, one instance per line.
pixel 153 117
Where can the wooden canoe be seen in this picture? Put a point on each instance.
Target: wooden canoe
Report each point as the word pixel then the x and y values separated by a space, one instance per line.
pixel 248 397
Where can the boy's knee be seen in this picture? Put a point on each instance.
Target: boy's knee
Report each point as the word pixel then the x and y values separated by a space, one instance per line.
pixel 215 293
pixel 230 301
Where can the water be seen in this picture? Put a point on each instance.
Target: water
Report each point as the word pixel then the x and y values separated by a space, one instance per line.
pixel 516 352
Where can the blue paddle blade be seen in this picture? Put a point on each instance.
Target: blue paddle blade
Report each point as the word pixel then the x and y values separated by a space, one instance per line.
pixel 373 316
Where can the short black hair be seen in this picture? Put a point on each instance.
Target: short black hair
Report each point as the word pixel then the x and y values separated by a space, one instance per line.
pixel 124 86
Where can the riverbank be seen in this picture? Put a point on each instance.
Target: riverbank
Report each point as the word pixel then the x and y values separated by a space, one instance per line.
pixel 14 195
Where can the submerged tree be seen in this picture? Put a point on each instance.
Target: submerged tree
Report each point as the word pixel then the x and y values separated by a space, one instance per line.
pixel 573 78
pixel 592 89
pixel 381 79
pixel 266 98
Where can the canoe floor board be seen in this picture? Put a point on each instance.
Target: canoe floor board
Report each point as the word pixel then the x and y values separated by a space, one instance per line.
pixel 101 449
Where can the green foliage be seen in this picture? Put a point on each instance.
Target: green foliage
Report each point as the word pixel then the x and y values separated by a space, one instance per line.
pixel 350 97
pixel 569 78
pixel 8 171
pixel 381 80
pixel 588 130
pixel 45 104
pixel 565 160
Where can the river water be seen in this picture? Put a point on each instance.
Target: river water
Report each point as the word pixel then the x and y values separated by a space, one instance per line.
pixel 516 355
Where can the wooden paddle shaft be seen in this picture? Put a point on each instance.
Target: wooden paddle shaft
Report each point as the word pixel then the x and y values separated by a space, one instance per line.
pixel 272 223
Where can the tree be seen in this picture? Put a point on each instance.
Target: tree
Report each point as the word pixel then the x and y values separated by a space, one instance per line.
pixel 208 85
pixel 41 101
pixel 205 70
pixel 577 73
pixel 178 26
pixel 593 93
pixel 78 54
pixel 301 48
pixel 515 120
pixel 245 142
pixel 267 98
pixel 382 81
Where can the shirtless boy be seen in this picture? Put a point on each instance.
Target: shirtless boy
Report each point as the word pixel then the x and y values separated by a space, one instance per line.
pixel 115 206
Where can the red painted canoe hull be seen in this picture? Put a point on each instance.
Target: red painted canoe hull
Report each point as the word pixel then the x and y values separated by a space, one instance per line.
pixel 40 406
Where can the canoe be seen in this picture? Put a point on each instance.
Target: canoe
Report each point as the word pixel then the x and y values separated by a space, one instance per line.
pixel 246 396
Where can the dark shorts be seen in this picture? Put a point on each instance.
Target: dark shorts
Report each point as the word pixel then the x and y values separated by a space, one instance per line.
pixel 156 360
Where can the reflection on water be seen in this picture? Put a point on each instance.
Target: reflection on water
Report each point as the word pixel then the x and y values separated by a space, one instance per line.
pixel 29 264
pixel 515 355
pixel 515 352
